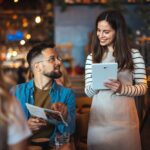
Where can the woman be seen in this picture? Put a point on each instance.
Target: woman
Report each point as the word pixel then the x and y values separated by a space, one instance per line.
pixel 113 120
pixel 13 127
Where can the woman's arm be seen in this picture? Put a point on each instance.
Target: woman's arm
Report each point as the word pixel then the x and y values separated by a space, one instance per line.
pixel 89 91
pixel 139 76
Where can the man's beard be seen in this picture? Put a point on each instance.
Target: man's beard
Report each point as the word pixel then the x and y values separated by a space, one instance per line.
pixel 53 74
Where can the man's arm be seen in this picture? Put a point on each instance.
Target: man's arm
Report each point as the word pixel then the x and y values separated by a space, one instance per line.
pixel 67 109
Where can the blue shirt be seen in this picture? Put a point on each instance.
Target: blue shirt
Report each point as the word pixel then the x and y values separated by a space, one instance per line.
pixel 25 94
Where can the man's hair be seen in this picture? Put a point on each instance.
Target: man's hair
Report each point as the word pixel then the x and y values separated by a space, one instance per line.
pixel 37 50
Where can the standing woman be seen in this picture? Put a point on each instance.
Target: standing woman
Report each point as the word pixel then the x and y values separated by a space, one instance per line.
pixel 114 123
pixel 13 127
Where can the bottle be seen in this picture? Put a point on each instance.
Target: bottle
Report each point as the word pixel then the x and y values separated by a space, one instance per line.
pixel 61 139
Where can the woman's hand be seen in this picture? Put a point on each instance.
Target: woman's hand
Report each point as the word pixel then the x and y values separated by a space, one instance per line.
pixel 114 85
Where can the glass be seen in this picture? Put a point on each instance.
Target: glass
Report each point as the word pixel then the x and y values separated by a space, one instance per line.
pixel 51 59
pixel 61 139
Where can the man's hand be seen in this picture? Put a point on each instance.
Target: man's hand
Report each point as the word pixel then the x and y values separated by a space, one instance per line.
pixel 114 85
pixel 61 107
pixel 35 123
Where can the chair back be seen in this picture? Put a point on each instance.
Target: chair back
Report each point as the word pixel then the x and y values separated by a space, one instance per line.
pixel 3 137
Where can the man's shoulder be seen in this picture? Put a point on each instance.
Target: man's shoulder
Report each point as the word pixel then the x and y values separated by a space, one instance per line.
pixel 21 87
pixel 25 84
pixel 64 89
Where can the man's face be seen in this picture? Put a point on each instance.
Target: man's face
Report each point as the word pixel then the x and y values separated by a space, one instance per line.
pixel 49 64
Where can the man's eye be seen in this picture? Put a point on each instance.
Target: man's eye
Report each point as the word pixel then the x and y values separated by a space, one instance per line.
pixel 59 58
pixel 52 59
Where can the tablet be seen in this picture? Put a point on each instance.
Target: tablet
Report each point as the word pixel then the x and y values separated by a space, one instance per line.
pixel 102 72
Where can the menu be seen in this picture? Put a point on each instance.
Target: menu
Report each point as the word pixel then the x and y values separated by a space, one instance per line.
pixel 54 117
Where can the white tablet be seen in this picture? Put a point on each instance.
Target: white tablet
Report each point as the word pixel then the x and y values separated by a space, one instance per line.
pixel 102 72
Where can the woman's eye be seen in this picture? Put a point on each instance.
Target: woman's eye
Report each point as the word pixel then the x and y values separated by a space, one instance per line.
pixel 98 30
pixel 106 32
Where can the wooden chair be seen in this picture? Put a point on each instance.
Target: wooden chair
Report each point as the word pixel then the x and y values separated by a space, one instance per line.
pixel 83 103
pixel 82 119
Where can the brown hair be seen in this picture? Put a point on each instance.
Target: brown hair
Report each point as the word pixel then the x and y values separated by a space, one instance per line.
pixel 122 51
pixel 5 103
pixel 7 113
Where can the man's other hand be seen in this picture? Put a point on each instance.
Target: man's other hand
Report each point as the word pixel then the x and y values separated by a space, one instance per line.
pixel 35 123
pixel 61 107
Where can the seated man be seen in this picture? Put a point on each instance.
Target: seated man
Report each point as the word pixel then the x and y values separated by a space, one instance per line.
pixel 44 92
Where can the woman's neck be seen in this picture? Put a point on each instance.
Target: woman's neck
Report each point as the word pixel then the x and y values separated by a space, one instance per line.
pixel 110 48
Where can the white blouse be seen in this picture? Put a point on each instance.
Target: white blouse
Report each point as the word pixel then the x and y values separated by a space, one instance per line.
pixel 139 76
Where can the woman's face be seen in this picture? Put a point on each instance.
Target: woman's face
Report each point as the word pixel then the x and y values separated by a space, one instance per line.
pixel 105 33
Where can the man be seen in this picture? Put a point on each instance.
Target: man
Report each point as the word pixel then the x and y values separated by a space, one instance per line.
pixel 44 92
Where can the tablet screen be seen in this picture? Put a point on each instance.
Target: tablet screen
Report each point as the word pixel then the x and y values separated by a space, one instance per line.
pixel 102 72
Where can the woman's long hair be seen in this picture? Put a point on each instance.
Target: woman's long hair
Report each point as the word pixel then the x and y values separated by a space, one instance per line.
pixel 3 118
pixel 122 51
pixel 7 113
pixel 5 104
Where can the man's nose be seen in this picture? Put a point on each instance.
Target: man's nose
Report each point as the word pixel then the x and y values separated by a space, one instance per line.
pixel 58 61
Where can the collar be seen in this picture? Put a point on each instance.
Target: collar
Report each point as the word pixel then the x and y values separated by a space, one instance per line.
pixel 55 86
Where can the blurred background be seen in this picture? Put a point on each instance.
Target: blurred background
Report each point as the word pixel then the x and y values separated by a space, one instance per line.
pixel 69 24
